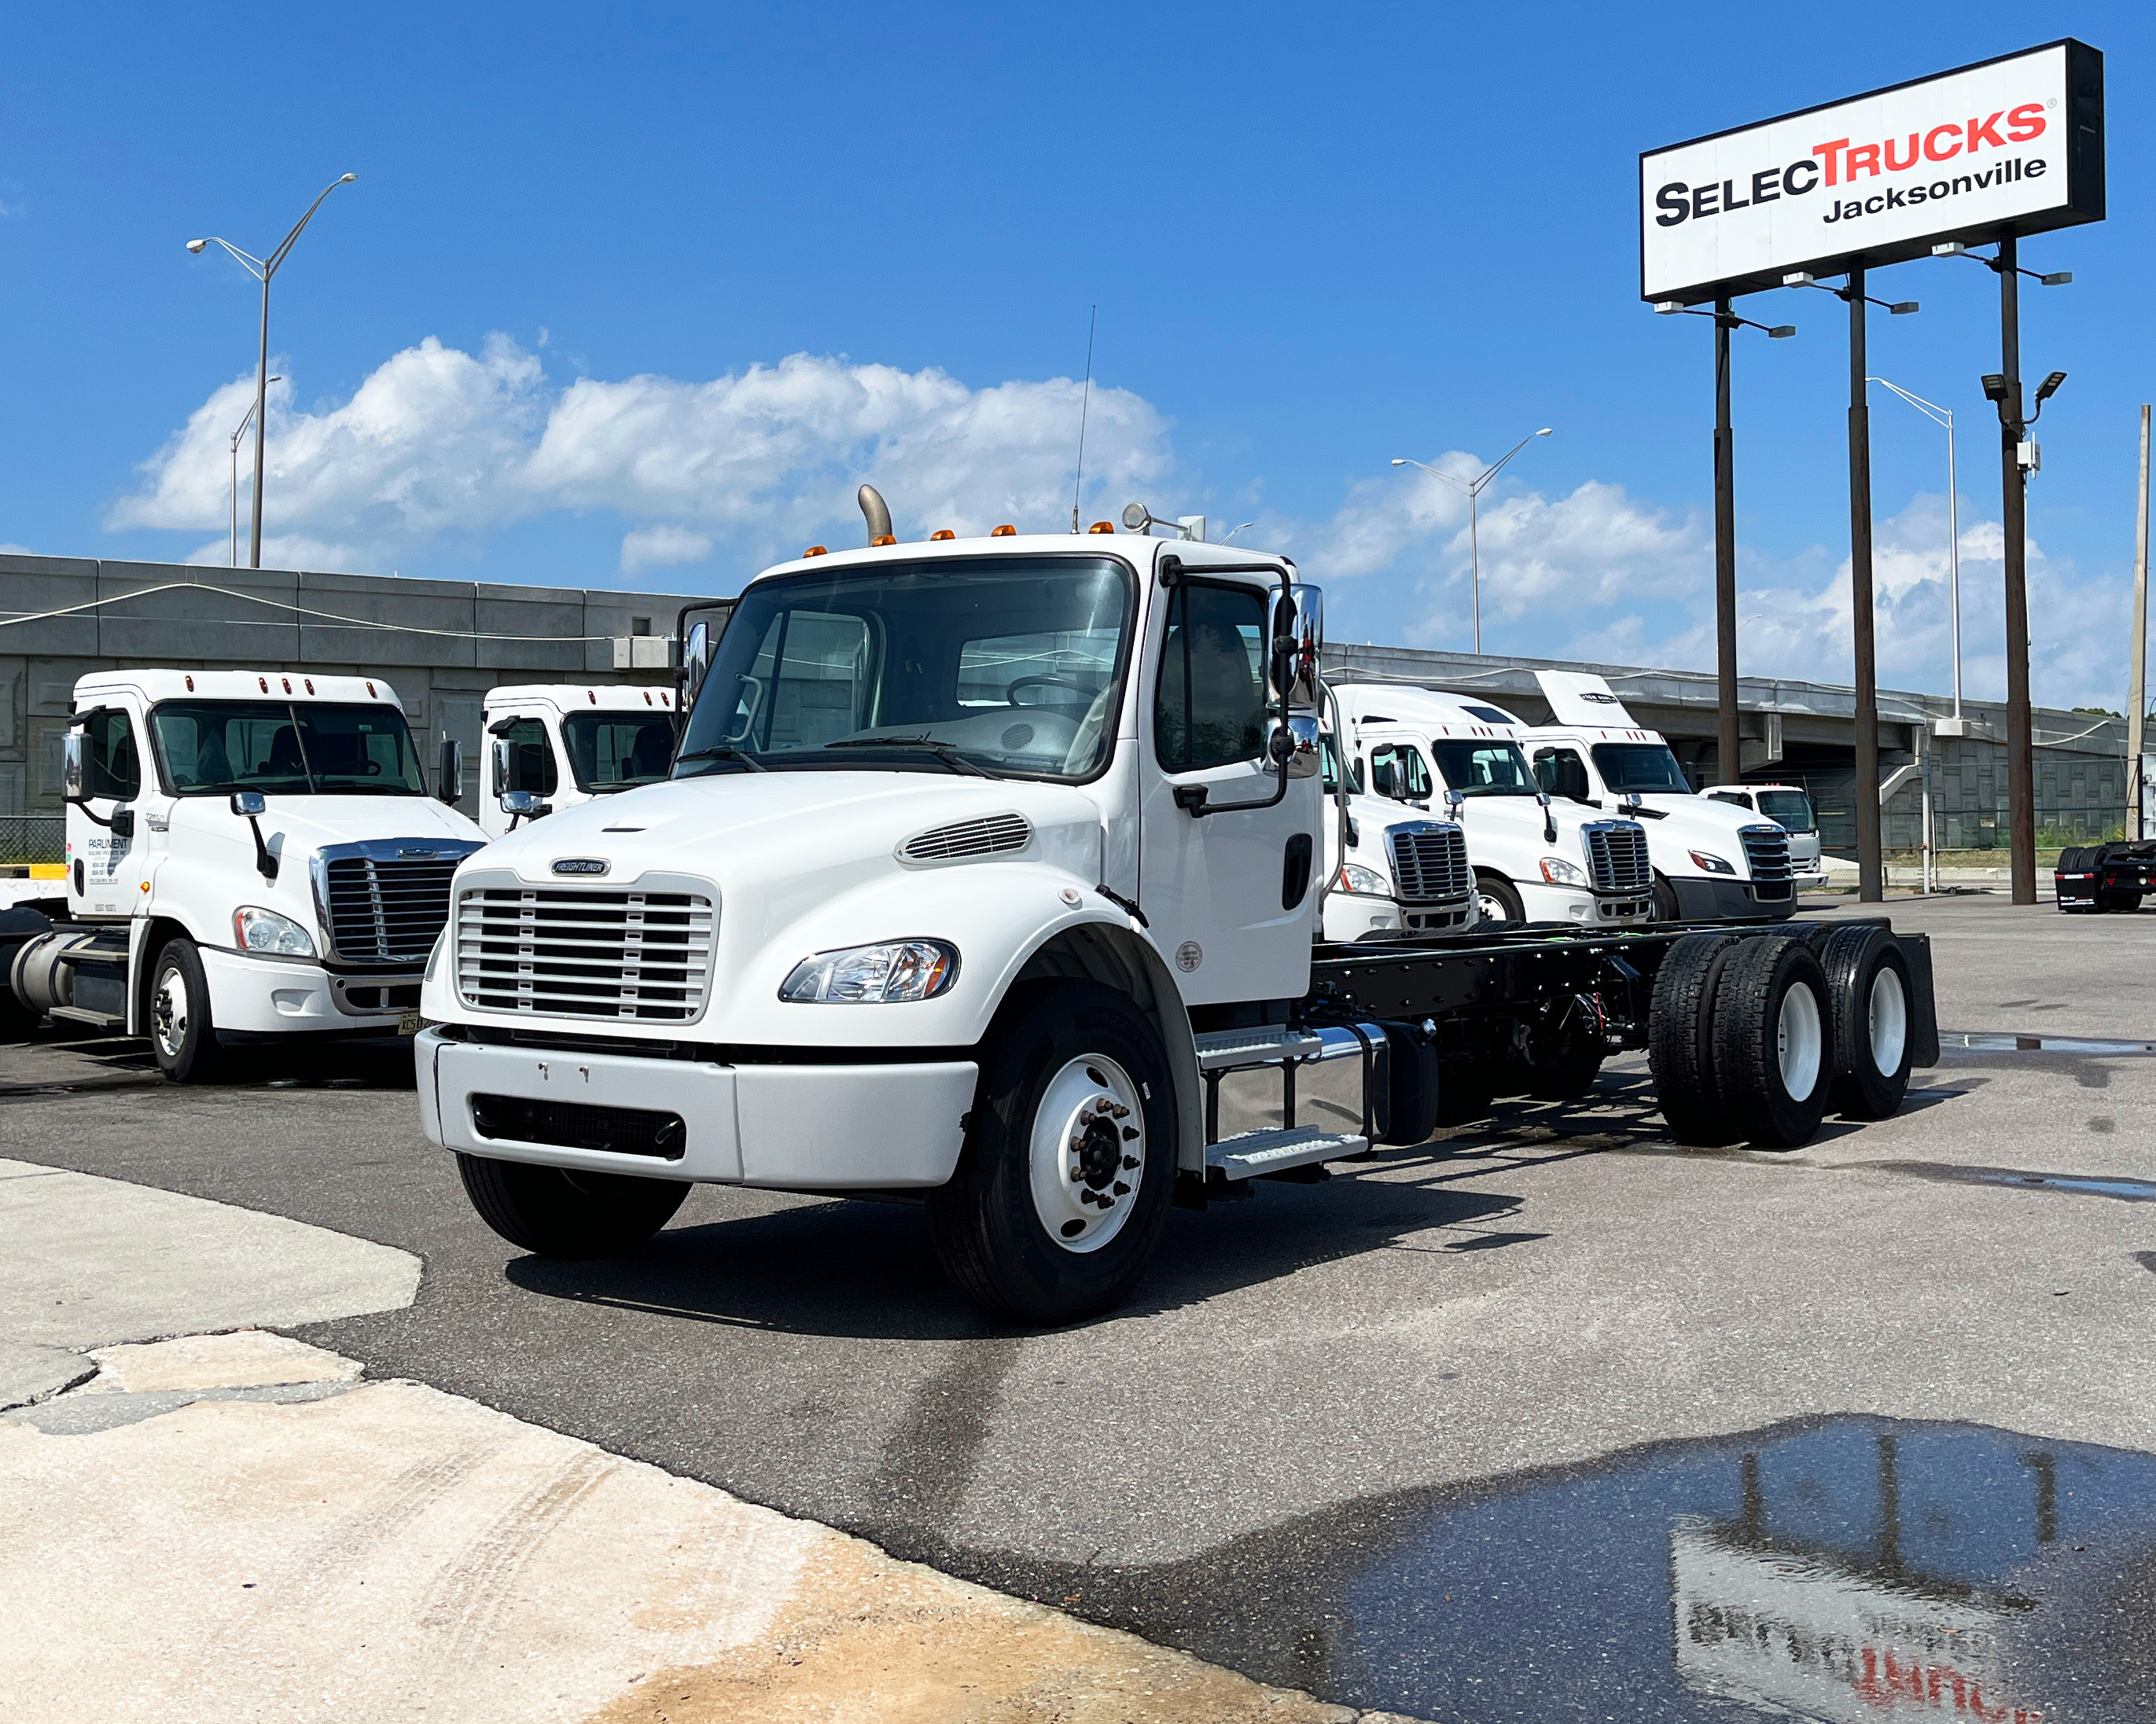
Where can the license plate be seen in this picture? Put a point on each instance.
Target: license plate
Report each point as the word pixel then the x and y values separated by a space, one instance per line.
pixel 408 1024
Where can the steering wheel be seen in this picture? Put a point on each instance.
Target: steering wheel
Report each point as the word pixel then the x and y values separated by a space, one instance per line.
pixel 1083 693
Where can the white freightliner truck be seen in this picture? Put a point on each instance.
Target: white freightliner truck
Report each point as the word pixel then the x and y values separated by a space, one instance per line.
pixel 985 875
pixel 562 744
pixel 1789 807
pixel 1534 859
pixel 251 855
pixel 1387 872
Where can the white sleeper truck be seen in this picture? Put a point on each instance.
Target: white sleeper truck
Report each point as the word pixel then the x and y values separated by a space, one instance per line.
pixel 987 874
pixel 562 744
pixel 1712 862
pixel 251 855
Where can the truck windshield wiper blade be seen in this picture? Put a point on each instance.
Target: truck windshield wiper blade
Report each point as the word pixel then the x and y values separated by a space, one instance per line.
pixel 722 751
pixel 947 752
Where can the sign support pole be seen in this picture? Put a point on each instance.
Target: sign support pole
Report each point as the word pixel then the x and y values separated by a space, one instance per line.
pixel 1870 881
pixel 2137 699
pixel 1731 764
pixel 2013 482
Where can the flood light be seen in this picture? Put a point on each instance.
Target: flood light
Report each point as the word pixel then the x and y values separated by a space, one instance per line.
pixel 1781 331
pixel 1995 387
pixel 2050 387
pixel 2058 280
pixel 1903 308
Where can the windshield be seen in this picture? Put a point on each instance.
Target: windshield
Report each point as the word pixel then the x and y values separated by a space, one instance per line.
pixel 618 751
pixel 1642 768
pixel 1789 808
pixel 1004 665
pixel 1483 768
pixel 211 747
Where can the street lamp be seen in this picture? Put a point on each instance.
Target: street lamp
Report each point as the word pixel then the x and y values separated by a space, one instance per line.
pixel 232 553
pixel 1943 416
pixel 262 270
pixel 1475 487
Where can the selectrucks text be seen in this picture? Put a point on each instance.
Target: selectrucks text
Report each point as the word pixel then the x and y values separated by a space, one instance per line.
pixel 990 874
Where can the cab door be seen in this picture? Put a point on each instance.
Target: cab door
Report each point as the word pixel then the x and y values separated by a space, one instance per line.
pixel 108 838
pixel 520 756
pixel 1228 894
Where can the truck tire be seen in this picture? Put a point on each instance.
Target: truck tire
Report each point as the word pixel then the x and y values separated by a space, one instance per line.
pixel 1070 1161
pixel 1497 900
pixel 1773 1064
pixel 1665 899
pixel 1464 1092
pixel 183 1029
pixel 1565 1060
pixel 1681 1038
pixel 1868 989
pixel 2117 903
pixel 2076 861
pixel 555 1211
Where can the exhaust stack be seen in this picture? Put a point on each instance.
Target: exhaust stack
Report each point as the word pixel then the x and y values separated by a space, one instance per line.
pixel 876 511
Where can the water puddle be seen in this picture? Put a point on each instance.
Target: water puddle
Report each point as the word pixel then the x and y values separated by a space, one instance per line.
pixel 2087 1185
pixel 1843 1570
pixel 1972 1041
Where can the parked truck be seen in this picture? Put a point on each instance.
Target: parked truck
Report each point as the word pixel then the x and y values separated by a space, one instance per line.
pixel 562 744
pixel 1014 915
pixel 250 855
pixel 1387 872
pixel 1789 807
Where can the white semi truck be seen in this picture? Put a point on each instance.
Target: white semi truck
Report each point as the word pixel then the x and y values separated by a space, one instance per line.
pixel 987 875
pixel 1534 859
pixel 250 855
pixel 1789 807
pixel 1386 872
pixel 562 744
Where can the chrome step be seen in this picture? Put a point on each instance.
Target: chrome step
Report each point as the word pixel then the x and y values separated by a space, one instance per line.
pixel 1254 1153
pixel 1262 1045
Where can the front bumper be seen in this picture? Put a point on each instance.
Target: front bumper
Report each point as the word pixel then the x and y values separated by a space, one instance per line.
pixel 791 1127
pixel 1545 903
pixel 254 995
pixel 1728 901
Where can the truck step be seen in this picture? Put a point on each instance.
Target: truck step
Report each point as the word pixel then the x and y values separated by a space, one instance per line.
pixel 1262 1045
pixel 1253 1153
pixel 83 1014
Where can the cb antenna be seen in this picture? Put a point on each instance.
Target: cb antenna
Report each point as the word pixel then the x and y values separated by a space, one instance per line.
pixel 1085 404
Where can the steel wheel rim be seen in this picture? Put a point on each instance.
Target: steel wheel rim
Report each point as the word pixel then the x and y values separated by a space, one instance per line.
pixel 1090 1124
pixel 1887 1020
pixel 1488 909
pixel 168 1013
pixel 1797 1042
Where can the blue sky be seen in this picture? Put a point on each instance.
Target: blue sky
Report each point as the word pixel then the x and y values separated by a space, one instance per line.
pixel 637 296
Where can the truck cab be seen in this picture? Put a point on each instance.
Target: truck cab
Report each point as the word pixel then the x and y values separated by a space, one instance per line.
pixel 250 855
pixel 1712 862
pixel 1534 858
pixel 1789 807
pixel 565 743
pixel 1389 874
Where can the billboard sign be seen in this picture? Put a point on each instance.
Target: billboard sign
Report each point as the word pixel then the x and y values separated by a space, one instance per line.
pixel 2010 145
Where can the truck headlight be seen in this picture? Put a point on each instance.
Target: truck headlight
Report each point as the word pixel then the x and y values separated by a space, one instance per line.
pixel 1558 872
pixel 1356 877
pixel 895 970
pixel 1712 865
pixel 257 930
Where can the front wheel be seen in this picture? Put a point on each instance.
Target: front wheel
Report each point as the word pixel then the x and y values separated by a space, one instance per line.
pixel 558 1212
pixel 1070 1161
pixel 1667 908
pixel 1496 899
pixel 183 1033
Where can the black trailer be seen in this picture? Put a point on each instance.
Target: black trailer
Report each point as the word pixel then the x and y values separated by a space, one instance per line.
pixel 2103 878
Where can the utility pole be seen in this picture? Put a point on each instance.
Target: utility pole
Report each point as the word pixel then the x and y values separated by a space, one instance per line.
pixel 2137 701
pixel 1728 743
pixel 1870 878
pixel 2014 484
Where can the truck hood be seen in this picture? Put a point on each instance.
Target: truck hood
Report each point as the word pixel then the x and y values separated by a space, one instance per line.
pixel 1700 818
pixel 294 823
pixel 790 828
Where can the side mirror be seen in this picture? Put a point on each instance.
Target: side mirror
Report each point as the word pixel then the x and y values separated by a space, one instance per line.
pixel 501 767
pixel 695 661
pixel 1453 802
pixel 521 805
pixel 248 804
pixel 74 768
pixel 450 786
pixel 1293 743
pixel 1299 640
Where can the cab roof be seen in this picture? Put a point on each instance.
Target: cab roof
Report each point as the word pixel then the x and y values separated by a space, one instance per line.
pixel 1141 548
pixel 579 696
pixel 153 685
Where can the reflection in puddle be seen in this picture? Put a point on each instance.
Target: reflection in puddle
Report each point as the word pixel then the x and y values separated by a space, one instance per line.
pixel 2087 1185
pixel 1964 1041
pixel 1850 1569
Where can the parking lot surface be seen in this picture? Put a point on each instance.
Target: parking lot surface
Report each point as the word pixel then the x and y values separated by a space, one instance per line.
pixel 1548 1418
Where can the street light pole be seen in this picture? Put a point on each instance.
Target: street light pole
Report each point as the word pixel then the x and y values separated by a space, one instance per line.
pixel 1943 416
pixel 1475 488
pixel 262 270
pixel 232 550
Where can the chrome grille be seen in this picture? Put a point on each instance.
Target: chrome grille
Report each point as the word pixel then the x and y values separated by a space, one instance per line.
pixel 585 953
pixel 1767 855
pixel 992 835
pixel 1429 862
pixel 1617 856
pixel 384 910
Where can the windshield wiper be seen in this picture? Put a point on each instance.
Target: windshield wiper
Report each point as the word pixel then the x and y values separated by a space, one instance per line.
pixel 948 752
pixel 720 750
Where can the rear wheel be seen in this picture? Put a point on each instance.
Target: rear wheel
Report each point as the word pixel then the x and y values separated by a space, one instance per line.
pixel 1070 1163
pixel 561 1212
pixel 1868 987
pixel 1681 1039
pixel 1564 1057
pixel 183 1033
pixel 1496 899
pixel 1773 1063
pixel 2117 903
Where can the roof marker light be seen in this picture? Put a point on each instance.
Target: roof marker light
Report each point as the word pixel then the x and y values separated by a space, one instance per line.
pixel 263 682
pixel 883 539
pixel 816 551
pixel 309 682
pixel 1006 532
pixel 942 532
pixel 592 695
pixel 287 681
pixel 647 697
pixel 370 691
pixel 1101 526
pixel 191 685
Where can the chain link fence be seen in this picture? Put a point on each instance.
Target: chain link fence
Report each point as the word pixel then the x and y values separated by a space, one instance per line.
pixel 32 838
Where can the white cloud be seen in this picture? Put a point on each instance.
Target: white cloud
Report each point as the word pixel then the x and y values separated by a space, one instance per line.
pixel 662 547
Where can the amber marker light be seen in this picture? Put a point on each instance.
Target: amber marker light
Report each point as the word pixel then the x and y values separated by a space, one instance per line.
pixel 1101 526
pixel 942 532
pixel 883 539
pixel 1006 532
pixel 816 551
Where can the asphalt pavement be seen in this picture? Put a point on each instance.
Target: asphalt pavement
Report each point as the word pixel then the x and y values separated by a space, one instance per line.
pixel 1555 1344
